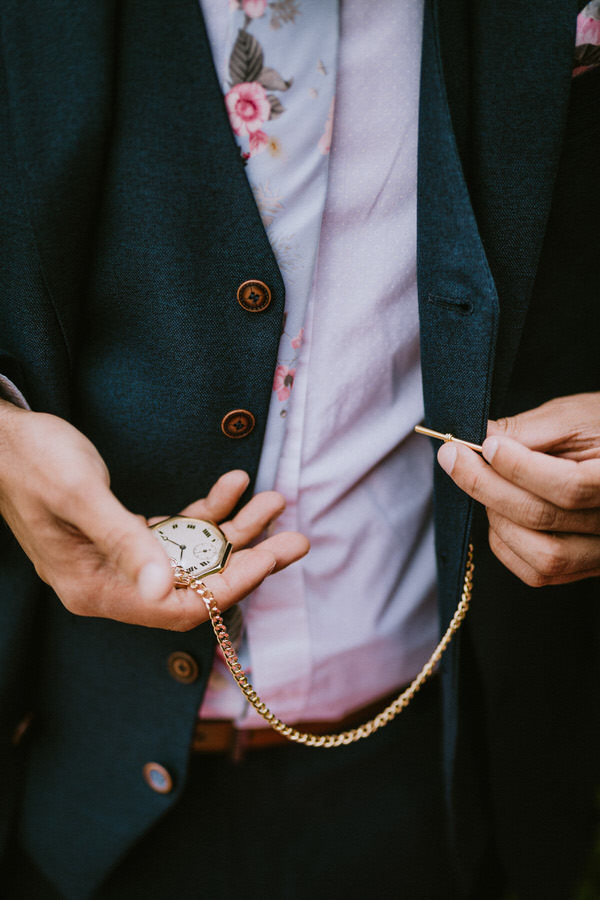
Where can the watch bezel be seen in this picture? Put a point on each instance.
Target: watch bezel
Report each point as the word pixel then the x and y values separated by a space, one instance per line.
pixel 227 545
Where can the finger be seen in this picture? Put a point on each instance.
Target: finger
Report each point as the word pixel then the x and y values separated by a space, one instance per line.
pixel 221 499
pixel 549 554
pixel 253 518
pixel 527 573
pixel 514 563
pixel 125 542
pixel 246 570
pixel 287 547
pixel 534 428
pixel 479 480
pixel 184 609
pixel 249 523
pixel 552 426
pixel 271 555
pixel 565 483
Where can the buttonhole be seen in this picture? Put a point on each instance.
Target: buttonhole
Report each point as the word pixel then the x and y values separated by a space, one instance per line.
pixel 461 305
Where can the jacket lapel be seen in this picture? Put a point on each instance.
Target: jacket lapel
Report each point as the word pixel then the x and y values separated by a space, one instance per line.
pixel 458 316
pixel 457 306
pixel 506 79
pixel 521 59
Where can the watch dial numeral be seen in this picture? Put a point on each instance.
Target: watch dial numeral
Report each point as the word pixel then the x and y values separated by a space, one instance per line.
pixel 206 532
pixel 191 525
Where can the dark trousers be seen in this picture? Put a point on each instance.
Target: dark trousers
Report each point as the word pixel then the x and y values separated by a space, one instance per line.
pixel 290 823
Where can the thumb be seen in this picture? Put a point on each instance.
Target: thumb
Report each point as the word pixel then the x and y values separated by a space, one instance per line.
pixel 126 543
pixel 542 428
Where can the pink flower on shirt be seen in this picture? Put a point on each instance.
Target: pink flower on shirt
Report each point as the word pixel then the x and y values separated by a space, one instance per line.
pixel 258 142
pixel 247 106
pixel 284 381
pixel 297 341
pixel 254 9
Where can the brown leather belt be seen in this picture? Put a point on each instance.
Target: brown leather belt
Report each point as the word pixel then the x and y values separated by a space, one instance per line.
pixel 222 736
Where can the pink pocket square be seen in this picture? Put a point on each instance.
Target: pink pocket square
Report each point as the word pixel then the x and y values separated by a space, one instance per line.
pixel 587 42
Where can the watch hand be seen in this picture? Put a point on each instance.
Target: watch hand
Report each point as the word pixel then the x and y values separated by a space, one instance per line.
pixel 182 549
pixel 171 542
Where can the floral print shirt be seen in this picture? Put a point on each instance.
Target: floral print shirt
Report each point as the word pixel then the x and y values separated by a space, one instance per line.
pixel 278 78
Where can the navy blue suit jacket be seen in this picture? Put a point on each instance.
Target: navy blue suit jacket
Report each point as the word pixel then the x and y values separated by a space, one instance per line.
pixel 127 224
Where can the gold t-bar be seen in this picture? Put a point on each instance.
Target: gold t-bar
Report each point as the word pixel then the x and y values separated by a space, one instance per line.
pixel 420 429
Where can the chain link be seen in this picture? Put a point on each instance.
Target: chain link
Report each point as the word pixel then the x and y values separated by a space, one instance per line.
pixel 344 737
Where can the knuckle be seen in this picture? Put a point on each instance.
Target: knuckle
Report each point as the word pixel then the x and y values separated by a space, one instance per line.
pixel 532 577
pixel 552 562
pixel 539 515
pixel 577 492
pixel 510 425
pixel 535 579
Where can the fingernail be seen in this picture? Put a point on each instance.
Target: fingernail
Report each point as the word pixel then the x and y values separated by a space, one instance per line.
pixel 152 582
pixel 447 457
pixel 490 445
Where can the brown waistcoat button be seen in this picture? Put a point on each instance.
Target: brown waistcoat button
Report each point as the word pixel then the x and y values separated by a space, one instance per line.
pixel 238 423
pixel 254 296
pixel 157 778
pixel 182 667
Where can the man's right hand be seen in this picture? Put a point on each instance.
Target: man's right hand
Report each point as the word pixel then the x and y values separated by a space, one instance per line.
pixel 101 559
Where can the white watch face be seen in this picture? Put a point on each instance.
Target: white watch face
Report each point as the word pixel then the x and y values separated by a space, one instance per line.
pixel 198 547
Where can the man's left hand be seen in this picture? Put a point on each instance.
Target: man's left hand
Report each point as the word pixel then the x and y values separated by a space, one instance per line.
pixel 540 483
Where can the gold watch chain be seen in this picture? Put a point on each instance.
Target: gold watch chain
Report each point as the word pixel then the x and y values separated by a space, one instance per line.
pixel 383 718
